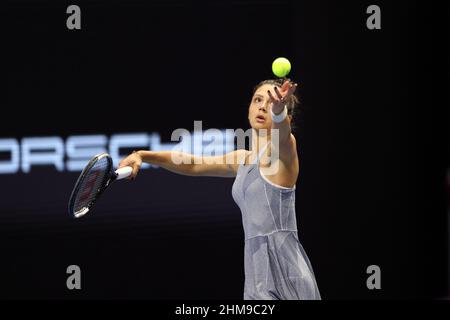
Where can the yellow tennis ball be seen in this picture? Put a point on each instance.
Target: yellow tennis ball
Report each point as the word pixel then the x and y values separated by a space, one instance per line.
pixel 281 67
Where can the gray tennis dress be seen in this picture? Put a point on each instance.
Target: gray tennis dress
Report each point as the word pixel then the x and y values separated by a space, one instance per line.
pixel 275 263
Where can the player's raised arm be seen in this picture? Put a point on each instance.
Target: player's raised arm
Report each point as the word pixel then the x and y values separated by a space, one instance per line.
pixel 279 111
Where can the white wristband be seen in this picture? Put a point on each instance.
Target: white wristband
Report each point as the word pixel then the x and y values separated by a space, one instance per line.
pixel 277 118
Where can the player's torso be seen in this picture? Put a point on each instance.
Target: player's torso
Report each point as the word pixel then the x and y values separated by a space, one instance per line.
pixel 265 208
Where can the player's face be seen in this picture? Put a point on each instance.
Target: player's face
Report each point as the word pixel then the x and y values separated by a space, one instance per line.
pixel 259 110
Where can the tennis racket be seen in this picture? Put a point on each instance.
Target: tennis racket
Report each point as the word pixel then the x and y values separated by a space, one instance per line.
pixel 92 182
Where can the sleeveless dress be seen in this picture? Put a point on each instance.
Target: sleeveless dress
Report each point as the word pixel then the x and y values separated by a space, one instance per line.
pixel 275 264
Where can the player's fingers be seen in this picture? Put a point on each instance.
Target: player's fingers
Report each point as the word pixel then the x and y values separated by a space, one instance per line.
pixel 290 92
pixel 278 93
pixel 286 85
pixel 121 164
pixel 135 172
pixel 272 99
pixel 125 163
pixel 292 88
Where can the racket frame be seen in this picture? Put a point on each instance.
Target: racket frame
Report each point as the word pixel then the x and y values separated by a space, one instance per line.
pixel 109 177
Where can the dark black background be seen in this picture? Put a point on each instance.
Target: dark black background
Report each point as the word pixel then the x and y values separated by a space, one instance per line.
pixel 371 142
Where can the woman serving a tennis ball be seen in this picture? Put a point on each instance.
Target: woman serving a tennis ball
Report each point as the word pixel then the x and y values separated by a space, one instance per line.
pixel 275 263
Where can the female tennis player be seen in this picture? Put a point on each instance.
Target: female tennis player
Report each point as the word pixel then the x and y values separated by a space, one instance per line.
pixel 275 263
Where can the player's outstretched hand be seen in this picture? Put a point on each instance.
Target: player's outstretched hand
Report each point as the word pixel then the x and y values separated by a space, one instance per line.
pixel 133 160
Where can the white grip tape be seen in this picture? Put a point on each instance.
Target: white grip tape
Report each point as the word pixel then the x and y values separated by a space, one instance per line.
pixel 123 172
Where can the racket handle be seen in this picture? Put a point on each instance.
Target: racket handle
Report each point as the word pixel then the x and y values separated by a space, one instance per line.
pixel 124 172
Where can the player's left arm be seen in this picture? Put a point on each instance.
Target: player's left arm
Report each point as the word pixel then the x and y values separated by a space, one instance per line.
pixel 288 163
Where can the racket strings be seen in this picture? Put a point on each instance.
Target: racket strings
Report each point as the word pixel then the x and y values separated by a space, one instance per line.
pixel 92 184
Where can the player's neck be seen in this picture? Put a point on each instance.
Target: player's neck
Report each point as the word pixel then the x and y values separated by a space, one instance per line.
pixel 259 143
